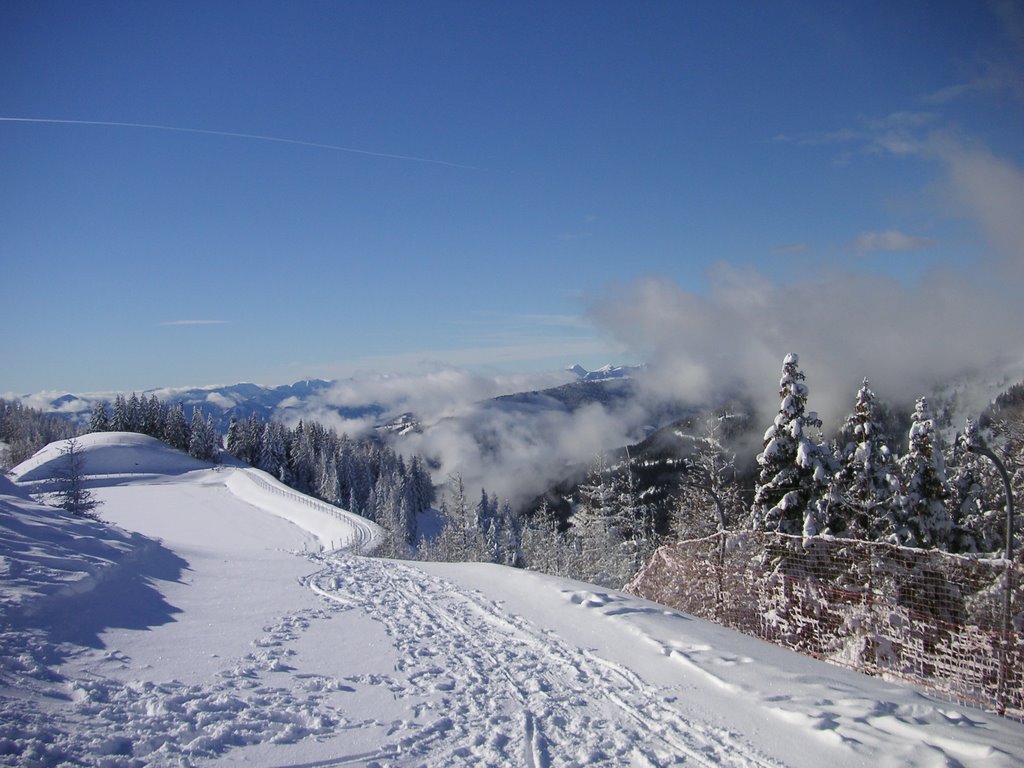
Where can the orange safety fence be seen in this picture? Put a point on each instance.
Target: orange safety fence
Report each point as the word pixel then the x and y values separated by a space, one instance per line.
pixel 950 623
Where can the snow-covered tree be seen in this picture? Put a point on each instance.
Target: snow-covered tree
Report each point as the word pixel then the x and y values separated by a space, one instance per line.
pixel 923 519
pixel 794 472
pixel 99 420
pixel 72 495
pixel 274 452
pixel 544 546
pixel 976 496
pixel 133 414
pixel 863 493
pixel 176 429
pixel 460 539
pixel 596 533
pixel 708 499
pixel 153 416
pixel 233 440
pixel 202 437
pixel 119 421
pixel 301 458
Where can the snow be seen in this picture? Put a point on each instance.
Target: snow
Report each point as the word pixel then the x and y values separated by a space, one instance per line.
pixel 207 627
pixel 109 453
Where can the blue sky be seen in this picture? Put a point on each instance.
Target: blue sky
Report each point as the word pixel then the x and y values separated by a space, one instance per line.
pixel 520 166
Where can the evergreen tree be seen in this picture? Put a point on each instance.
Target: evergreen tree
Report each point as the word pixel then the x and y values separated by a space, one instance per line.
pixel 976 497
pixel 923 519
pixel 544 546
pixel 234 438
pixel 709 498
pixel 176 429
pixel 201 436
pixel 72 495
pixel 301 458
pixel 599 553
pixel 863 493
pixel 460 539
pixel 252 439
pixel 273 457
pixel 99 421
pixel 794 470
pixel 119 419
pixel 133 421
pixel 154 416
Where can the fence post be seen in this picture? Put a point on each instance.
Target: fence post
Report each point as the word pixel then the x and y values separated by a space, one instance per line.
pixel 976 446
pixel 720 576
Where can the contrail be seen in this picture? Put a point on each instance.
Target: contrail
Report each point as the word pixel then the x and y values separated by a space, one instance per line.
pixel 235 135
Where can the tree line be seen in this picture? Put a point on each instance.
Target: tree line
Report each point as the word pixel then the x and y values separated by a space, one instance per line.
pixel 935 496
pixel 858 484
pixel 24 430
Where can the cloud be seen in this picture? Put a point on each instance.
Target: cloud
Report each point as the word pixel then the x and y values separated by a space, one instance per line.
pixel 512 450
pixel 518 453
pixel 951 323
pixel 890 240
pixel 897 133
pixel 986 189
pixel 433 393
pixel 1000 68
pixel 845 326
pixel 194 322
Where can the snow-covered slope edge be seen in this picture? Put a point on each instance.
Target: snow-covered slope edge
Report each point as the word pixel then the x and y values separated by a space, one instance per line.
pixel 334 528
pixel 118 458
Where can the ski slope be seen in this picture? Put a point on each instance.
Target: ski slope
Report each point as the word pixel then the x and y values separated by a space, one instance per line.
pixel 225 619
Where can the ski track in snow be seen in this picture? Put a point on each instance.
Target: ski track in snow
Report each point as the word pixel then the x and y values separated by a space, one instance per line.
pixel 494 689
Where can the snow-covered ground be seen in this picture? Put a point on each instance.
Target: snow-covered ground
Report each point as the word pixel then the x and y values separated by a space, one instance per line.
pixel 207 627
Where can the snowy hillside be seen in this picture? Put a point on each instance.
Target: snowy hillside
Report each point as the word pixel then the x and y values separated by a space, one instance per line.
pixel 207 627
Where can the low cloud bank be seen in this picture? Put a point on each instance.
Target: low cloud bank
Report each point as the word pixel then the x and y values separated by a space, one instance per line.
pixel 845 327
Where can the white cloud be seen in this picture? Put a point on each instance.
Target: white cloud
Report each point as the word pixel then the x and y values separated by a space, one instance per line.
pixel 890 240
pixel 987 189
pixel 845 326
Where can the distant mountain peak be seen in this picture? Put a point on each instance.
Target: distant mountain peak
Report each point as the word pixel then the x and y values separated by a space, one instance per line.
pixel 605 372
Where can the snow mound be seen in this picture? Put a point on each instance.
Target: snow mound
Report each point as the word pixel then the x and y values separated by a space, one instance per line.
pixel 108 453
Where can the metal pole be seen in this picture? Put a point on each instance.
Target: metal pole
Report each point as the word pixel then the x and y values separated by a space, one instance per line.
pixel 985 451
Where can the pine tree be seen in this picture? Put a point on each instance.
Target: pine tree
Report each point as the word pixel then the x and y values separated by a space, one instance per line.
pixel 133 420
pixel 976 496
pixel 201 436
pixel 252 438
pixel 273 457
pixel 544 546
pixel 176 429
pixel 72 495
pixel 154 416
pixel 599 554
pixel 460 540
pixel 708 499
pixel 863 493
pixel 301 458
pixel 119 419
pixel 234 438
pixel 789 492
pixel 99 421
pixel 923 520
